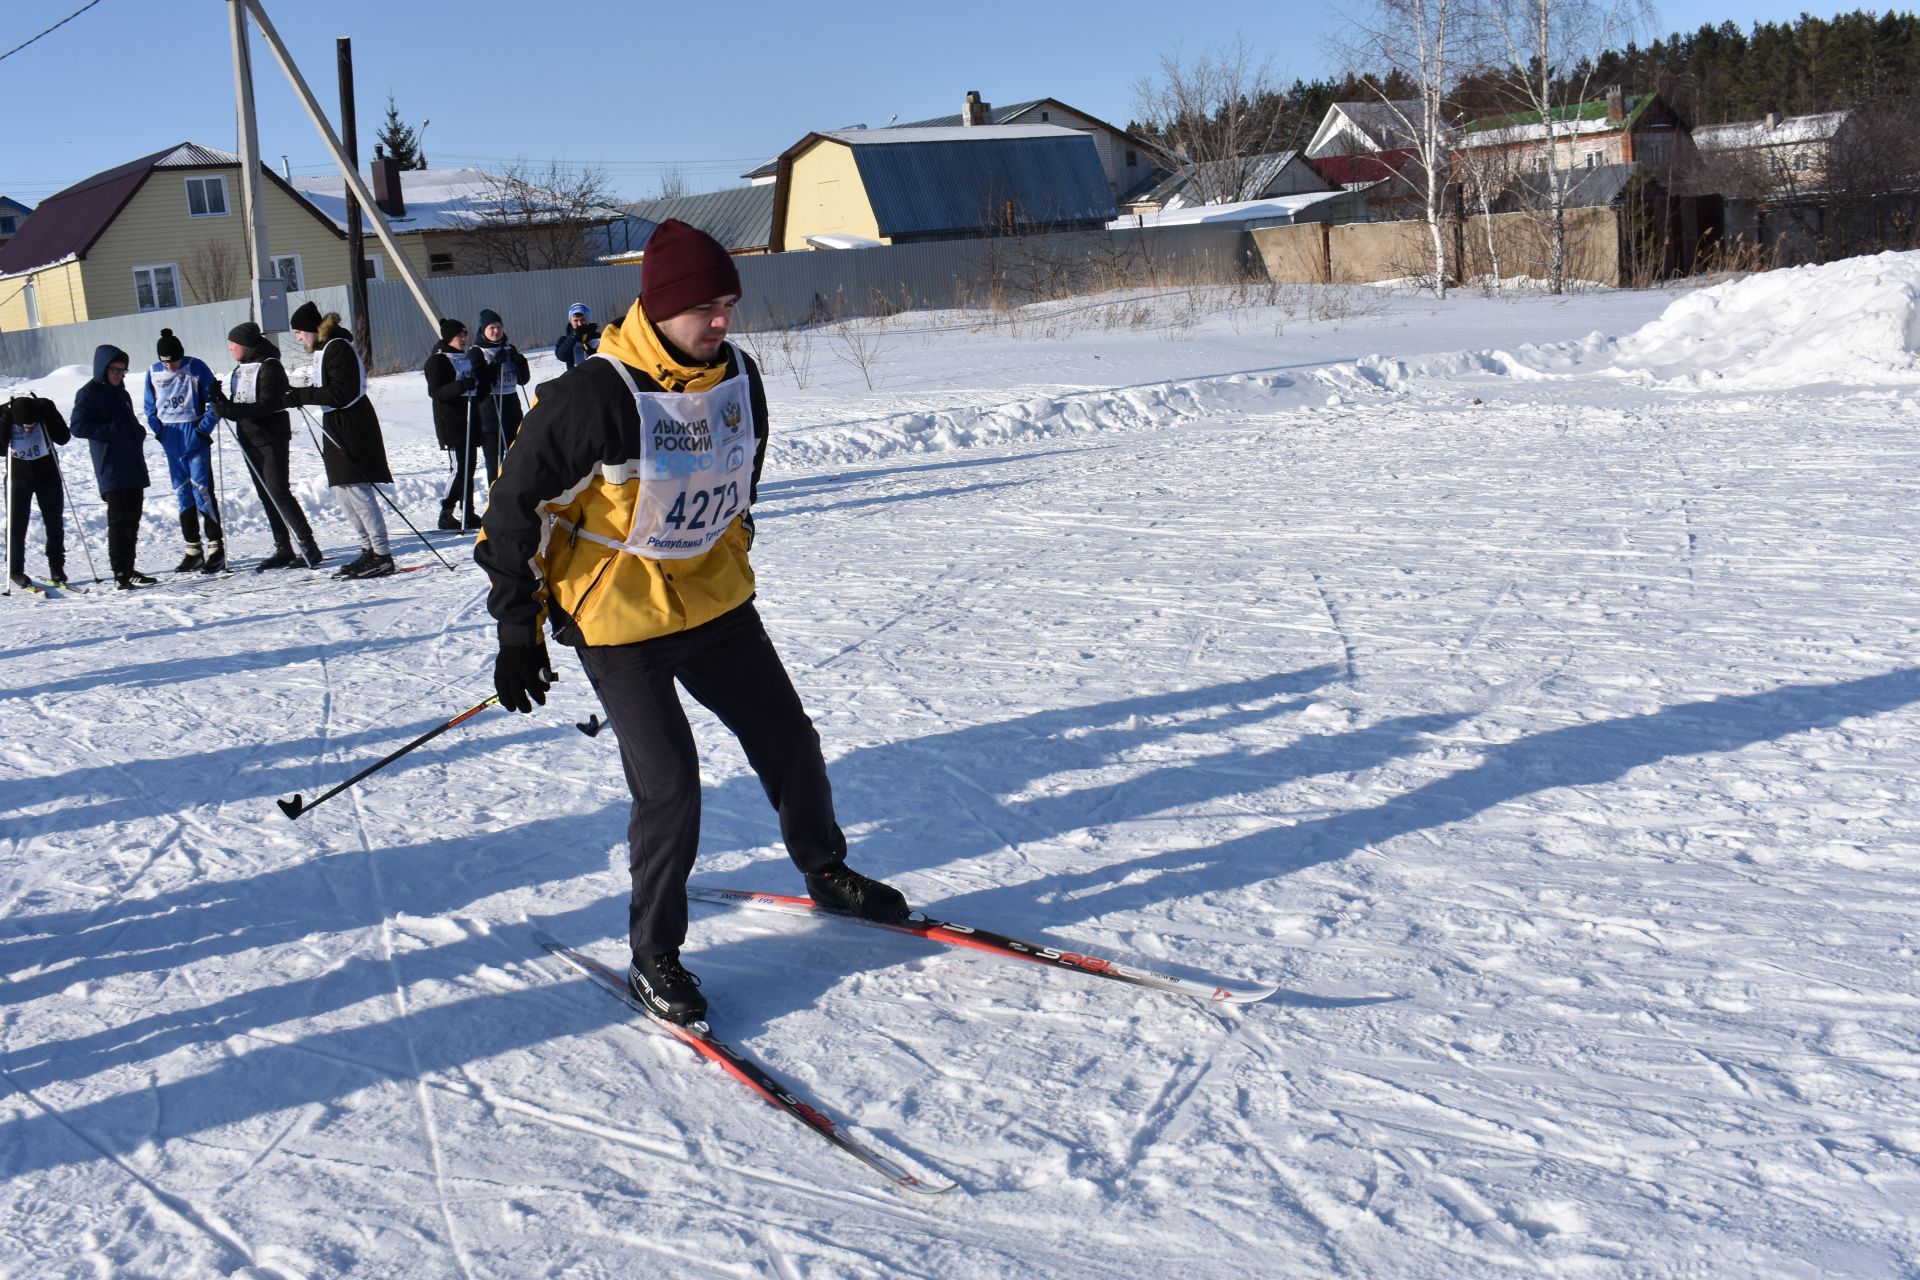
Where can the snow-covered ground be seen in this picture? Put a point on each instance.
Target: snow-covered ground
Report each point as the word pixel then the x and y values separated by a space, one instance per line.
pixel 1541 718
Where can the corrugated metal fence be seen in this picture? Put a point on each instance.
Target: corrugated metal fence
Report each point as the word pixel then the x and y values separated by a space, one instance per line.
pixel 780 290
pixel 202 330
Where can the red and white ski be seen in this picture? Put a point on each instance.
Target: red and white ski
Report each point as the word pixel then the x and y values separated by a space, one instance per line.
pixel 700 1038
pixel 1215 990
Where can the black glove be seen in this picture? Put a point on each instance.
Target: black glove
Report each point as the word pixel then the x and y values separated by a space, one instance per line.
pixel 522 677
pixel 222 405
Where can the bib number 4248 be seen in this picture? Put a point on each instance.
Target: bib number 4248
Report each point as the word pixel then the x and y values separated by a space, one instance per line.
pixel 710 508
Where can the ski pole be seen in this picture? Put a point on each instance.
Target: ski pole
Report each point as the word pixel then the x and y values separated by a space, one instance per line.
pixel 359 471
pixel 295 807
pixel 9 483
pixel 78 524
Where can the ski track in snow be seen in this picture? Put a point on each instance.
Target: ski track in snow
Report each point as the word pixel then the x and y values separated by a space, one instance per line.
pixel 1548 736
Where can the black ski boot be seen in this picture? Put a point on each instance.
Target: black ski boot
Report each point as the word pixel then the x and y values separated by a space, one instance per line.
pixel 190 532
pixel 449 522
pixel 192 561
pixel 20 580
pixel 140 579
pixel 381 566
pixel 280 559
pixel 311 553
pixel 216 561
pixel 840 888
pixel 352 568
pixel 666 989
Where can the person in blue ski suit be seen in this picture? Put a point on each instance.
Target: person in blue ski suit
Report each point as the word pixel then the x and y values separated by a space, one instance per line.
pixel 182 415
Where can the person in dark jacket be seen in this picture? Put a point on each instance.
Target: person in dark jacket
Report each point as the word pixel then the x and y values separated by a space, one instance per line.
pixel 503 371
pixel 453 384
pixel 103 416
pixel 32 427
pixel 180 413
pixel 354 450
pixel 626 520
pixel 255 401
pixel 581 339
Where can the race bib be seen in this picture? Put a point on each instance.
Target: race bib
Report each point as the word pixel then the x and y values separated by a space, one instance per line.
pixel 243 384
pixel 29 442
pixel 462 362
pixel 506 378
pixel 173 395
pixel 695 467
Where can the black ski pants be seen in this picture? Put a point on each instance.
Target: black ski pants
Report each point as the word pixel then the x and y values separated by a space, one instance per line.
pixel 123 526
pixel 267 464
pixel 730 667
pixel 487 442
pixel 37 481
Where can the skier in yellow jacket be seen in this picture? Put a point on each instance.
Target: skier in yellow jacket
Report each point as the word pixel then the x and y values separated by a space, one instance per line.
pixel 622 519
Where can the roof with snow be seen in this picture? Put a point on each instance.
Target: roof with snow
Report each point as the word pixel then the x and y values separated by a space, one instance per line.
pixel 1771 132
pixel 1574 120
pixel 1383 125
pixel 437 199
pixel 1271 209
pixel 67 224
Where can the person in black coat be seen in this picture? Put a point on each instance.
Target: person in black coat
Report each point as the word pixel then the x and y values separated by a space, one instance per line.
pixel 255 400
pixel 103 416
pixel 453 384
pixel 503 371
pixel 354 450
pixel 32 427
pixel 581 339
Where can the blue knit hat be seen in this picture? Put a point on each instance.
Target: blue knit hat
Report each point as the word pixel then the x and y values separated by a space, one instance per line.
pixel 579 309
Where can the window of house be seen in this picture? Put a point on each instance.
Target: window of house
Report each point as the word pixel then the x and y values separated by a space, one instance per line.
pixel 1133 158
pixel 287 267
pixel 1800 164
pixel 1043 117
pixel 156 288
pixel 370 267
pixel 440 263
pixel 207 197
pixel 9 225
pixel 1593 159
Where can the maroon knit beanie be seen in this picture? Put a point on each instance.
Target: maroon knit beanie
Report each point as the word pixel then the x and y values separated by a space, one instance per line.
pixel 683 267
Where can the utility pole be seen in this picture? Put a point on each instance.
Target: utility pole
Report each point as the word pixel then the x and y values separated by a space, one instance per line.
pixel 269 291
pixel 348 170
pixel 356 238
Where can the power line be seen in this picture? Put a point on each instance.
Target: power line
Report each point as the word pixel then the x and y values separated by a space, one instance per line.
pixel 50 30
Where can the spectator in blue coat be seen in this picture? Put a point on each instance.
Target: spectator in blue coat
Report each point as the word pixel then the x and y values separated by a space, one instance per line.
pixel 183 417
pixel 103 416
pixel 581 339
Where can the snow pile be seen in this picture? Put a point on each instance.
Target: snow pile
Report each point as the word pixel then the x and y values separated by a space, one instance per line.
pixel 1856 321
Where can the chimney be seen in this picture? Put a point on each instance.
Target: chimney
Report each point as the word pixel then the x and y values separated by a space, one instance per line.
pixel 386 185
pixel 1616 104
pixel 973 111
pixel 1773 121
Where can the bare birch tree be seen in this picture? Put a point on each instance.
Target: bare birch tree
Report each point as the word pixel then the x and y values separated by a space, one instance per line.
pixel 1215 115
pixel 216 271
pixel 1418 41
pixel 1551 48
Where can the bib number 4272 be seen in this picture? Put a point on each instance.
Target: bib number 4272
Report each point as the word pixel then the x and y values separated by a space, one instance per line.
pixel 705 508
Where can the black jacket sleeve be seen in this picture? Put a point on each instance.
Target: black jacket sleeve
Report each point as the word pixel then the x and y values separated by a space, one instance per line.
pixel 37 409
pixel 441 382
pixel 576 425
pixel 757 393
pixel 519 366
pixel 566 349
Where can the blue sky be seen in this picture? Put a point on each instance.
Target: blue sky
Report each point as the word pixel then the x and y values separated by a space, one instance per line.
pixel 715 89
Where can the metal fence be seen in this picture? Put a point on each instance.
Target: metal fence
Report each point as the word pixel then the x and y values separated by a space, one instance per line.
pixel 779 290
pixel 202 330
